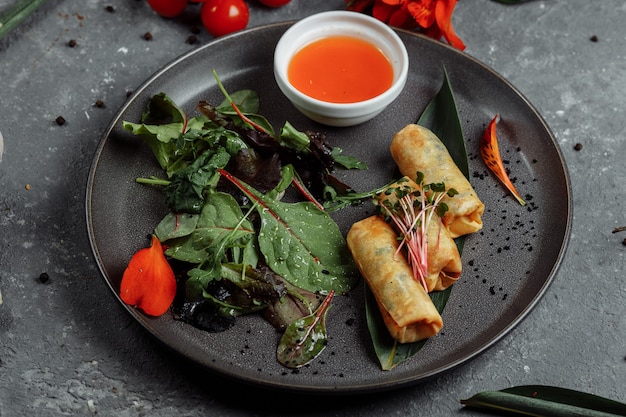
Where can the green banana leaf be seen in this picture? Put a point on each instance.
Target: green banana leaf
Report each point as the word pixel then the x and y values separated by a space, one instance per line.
pixel 17 13
pixel 440 116
pixel 542 400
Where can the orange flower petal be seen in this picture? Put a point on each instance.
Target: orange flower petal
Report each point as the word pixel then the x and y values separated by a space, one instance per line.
pixel 443 16
pixel 423 12
pixel 490 153
pixel 148 282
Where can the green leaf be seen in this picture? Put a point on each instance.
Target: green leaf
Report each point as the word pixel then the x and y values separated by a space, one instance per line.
pixel 219 228
pixel 222 225
pixel 16 14
pixel 302 243
pixel 162 122
pixel 292 138
pixel 305 338
pixel 185 193
pixel 246 100
pixel 541 400
pixel 440 116
pixel 305 246
pixel 175 225
pixel 347 161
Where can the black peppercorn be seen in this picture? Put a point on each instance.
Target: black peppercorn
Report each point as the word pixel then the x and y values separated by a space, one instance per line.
pixel 60 120
pixel 44 277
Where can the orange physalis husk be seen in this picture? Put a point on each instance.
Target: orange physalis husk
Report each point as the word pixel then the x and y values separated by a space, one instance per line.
pixel 148 282
pixel 491 156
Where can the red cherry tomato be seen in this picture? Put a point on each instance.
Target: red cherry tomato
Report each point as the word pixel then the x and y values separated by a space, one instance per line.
pixel 221 17
pixel 274 3
pixel 168 8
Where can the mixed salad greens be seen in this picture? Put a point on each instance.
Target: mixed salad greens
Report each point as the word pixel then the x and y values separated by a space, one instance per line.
pixel 246 231
pixel 249 227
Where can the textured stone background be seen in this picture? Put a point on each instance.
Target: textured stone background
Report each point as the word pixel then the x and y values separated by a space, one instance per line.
pixel 66 348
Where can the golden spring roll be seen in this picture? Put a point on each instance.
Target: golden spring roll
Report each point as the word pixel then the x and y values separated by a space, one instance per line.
pixel 416 148
pixel 407 310
pixel 442 255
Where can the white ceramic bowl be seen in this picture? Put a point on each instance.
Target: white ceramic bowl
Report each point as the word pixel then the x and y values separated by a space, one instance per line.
pixel 340 23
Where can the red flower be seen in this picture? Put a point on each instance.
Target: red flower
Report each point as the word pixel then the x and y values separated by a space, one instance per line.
pixel 434 17
pixel 148 282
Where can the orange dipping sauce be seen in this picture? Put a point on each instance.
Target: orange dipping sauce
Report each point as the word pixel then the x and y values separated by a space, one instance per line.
pixel 340 69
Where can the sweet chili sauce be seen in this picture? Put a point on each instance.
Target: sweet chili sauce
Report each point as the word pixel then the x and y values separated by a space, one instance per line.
pixel 340 69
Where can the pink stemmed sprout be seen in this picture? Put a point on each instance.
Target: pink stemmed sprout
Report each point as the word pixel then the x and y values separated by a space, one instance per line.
pixel 411 211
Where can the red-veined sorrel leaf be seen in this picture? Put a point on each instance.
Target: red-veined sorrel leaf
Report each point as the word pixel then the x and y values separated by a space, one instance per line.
pixel 148 282
pixel 490 153
pixel 301 243
pixel 541 400
pixel 441 117
pixel 305 338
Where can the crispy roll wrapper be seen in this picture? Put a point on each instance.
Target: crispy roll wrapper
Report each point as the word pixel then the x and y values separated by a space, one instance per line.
pixel 443 257
pixel 416 148
pixel 406 308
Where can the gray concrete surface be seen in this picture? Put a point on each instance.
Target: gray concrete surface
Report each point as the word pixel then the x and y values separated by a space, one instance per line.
pixel 67 348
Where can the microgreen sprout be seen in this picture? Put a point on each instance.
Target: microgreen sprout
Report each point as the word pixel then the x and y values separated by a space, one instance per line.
pixel 411 206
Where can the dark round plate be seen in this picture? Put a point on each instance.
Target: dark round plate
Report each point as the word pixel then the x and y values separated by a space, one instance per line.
pixel 507 267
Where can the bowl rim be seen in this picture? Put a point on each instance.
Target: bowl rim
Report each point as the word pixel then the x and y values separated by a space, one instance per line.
pixel 284 50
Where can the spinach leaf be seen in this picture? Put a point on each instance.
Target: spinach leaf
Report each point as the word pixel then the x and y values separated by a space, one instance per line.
pixel 301 243
pixel 304 245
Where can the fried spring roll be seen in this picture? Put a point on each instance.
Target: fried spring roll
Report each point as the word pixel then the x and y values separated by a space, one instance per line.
pixel 442 255
pixel 416 148
pixel 407 310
